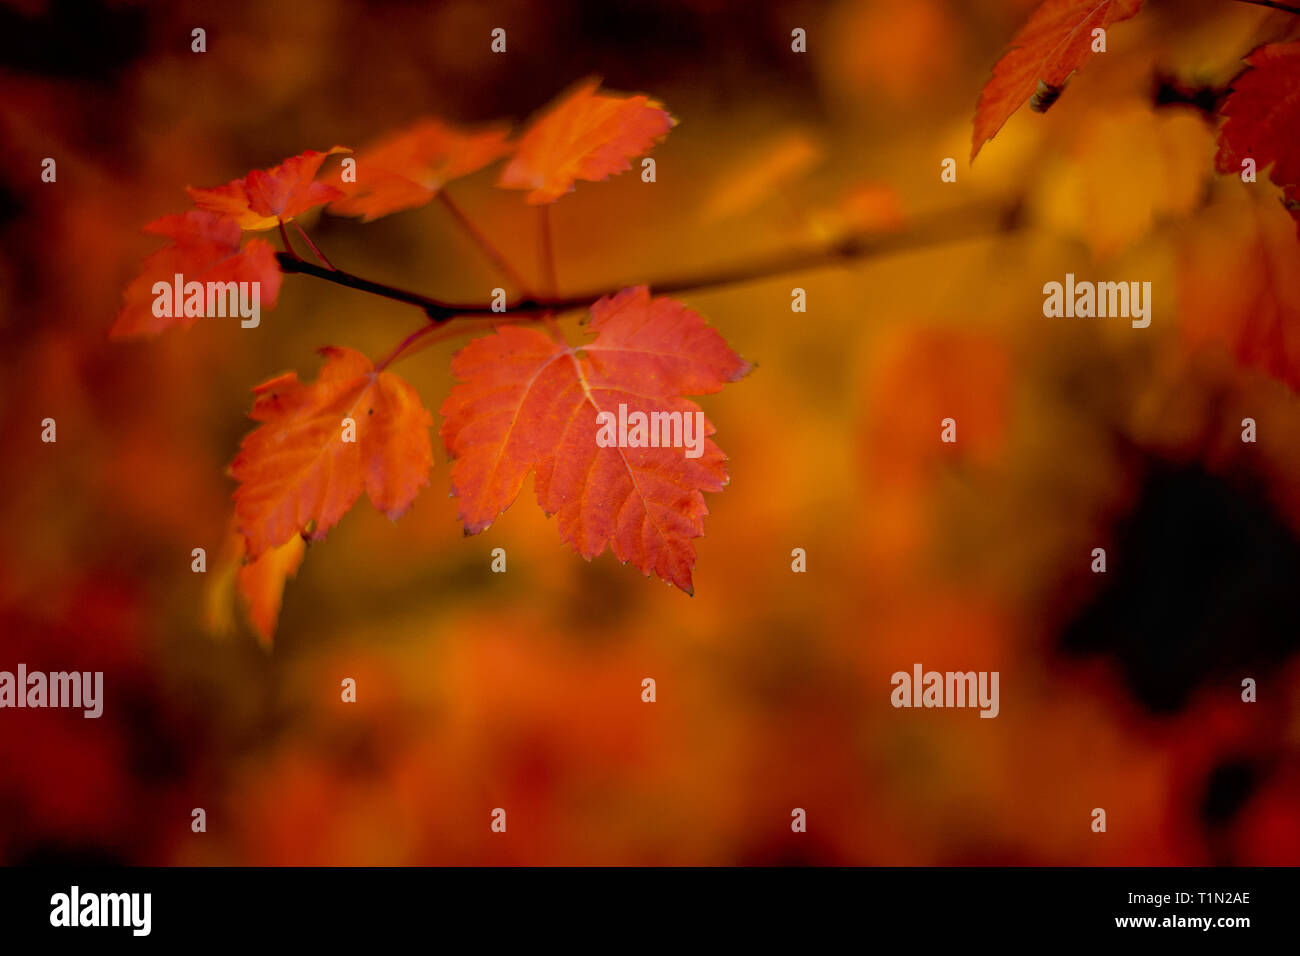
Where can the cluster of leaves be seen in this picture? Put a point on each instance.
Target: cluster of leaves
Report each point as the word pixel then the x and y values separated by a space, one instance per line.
pixel 1241 294
pixel 1262 109
pixel 527 401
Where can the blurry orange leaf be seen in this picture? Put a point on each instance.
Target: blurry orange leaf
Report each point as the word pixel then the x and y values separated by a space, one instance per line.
pixel 874 207
pixel 406 170
pixel 583 135
pixel 1055 42
pixel 320 445
pixel 264 197
pixel 261 583
pixel 768 170
pixel 1239 287
pixel 924 375
pixel 1127 166
pixel 204 248
pixel 920 376
pixel 528 403
pixel 1263 116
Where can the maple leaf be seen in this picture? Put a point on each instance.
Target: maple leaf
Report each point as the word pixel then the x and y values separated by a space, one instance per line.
pixel 407 169
pixel 1055 42
pixel 1263 118
pixel 298 474
pixel 583 135
pixel 204 248
pixel 529 403
pixel 265 197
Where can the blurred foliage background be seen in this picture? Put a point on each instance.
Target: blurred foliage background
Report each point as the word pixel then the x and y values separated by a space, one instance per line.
pixel 522 691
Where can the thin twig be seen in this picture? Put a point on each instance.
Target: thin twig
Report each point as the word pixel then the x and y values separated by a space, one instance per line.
pixel 1289 8
pixel 940 229
pixel 437 310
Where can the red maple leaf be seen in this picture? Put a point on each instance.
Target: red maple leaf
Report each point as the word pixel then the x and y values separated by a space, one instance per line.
pixel 528 403
pixel 583 135
pixel 1055 42
pixel 265 197
pixel 407 169
pixel 300 473
pixel 204 248
pixel 1263 118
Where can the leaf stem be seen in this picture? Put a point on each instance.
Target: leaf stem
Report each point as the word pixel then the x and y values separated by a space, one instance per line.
pixel 547 253
pixel 421 335
pixel 284 237
pixel 492 252
pixel 319 255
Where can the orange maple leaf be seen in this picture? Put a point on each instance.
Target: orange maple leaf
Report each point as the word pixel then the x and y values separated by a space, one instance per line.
pixel 1263 118
pixel 204 248
pixel 528 403
pixel 583 135
pixel 1055 42
pixel 407 169
pixel 265 197
pixel 322 444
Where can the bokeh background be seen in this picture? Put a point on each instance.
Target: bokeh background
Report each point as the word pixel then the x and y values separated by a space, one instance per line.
pixel 522 690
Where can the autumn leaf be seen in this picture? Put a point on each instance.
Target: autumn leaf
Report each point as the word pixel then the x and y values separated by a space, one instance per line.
pixel 407 169
pixel 920 376
pixel 1243 295
pixel 1263 117
pixel 1124 169
pixel 529 403
pixel 204 248
pixel 299 473
pixel 1055 42
pixel 258 586
pixel 583 135
pixel 867 208
pixel 263 198
pixel 768 172
pixel 261 583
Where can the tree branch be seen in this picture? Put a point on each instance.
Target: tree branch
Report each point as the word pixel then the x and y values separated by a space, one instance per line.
pixel 937 230
pixel 1272 4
